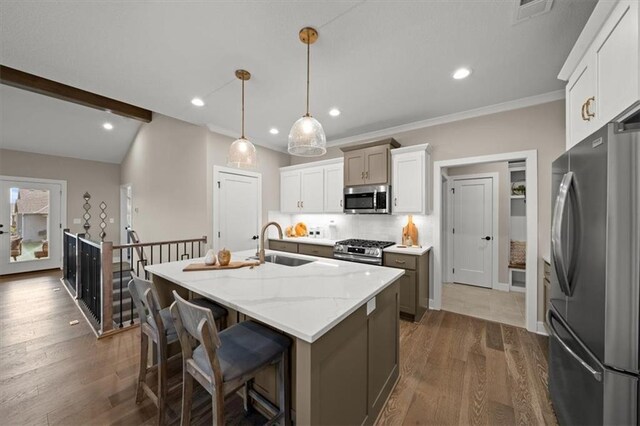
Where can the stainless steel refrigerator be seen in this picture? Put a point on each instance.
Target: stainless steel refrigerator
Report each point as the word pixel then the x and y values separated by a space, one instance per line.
pixel 594 314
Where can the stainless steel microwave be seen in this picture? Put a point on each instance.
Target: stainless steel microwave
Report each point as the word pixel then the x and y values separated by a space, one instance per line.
pixel 374 199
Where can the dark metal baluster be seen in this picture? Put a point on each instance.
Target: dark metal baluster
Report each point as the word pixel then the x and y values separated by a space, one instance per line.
pixel 177 252
pixel 199 248
pixel 192 249
pixel 160 253
pixel 120 309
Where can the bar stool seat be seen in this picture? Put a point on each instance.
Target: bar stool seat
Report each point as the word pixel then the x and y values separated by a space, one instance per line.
pixel 245 347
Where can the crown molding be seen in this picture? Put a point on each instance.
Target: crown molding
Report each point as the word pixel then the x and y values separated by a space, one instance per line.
pixel 473 113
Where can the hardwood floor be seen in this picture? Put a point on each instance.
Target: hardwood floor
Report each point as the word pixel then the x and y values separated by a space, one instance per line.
pixel 455 369
pixel 462 370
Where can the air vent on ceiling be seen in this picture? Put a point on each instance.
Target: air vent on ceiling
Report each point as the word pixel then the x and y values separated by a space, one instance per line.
pixel 527 9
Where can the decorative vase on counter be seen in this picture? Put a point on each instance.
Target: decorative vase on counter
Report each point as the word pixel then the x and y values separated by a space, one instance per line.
pixel 224 257
pixel 210 258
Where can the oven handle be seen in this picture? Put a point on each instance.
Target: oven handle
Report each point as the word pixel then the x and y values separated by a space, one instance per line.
pixel 375 199
pixel 360 259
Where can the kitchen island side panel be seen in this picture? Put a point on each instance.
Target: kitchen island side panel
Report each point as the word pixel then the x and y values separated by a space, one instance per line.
pixel 347 375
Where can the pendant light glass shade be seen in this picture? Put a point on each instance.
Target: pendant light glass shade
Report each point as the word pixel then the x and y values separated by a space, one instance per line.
pixel 307 138
pixel 242 153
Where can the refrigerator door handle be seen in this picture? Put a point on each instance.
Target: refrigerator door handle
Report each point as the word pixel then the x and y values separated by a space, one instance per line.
pixel 556 233
pixel 554 333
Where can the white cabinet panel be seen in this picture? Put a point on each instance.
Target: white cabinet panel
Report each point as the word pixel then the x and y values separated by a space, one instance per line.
pixel 411 170
pixel 290 191
pixel 617 61
pixel 581 91
pixel 312 200
pixel 333 188
pixel 408 183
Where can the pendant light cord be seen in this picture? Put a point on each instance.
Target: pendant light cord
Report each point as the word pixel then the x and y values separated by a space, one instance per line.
pixel 242 109
pixel 308 54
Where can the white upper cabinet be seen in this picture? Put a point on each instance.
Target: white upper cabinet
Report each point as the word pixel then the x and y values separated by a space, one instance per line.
pixel 411 177
pixel 312 188
pixel 333 188
pixel 290 191
pixel 603 69
pixel 312 200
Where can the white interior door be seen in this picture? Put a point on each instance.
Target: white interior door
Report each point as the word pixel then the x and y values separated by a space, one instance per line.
pixel 31 232
pixel 473 231
pixel 239 211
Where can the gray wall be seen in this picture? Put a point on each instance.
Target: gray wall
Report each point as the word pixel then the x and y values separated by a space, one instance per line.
pixel 170 167
pixel 539 127
pixel 101 180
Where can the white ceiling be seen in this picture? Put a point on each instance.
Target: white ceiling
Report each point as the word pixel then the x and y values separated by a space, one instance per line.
pixel 383 63
pixel 35 123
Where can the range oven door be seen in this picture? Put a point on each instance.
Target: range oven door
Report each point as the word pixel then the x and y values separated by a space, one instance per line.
pixel 367 199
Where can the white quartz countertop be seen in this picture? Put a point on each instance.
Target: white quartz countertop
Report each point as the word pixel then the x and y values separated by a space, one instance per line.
pixel 309 240
pixel 304 301
pixel 415 251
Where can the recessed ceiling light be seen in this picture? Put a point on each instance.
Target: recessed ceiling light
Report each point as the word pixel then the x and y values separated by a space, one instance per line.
pixel 107 126
pixel 334 112
pixel 274 131
pixel 461 73
pixel 197 102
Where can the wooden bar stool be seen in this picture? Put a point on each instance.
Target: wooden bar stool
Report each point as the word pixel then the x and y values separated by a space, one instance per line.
pixel 157 325
pixel 226 361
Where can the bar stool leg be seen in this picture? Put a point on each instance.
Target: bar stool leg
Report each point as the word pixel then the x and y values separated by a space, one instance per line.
pixel 162 380
pixel 142 373
pixel 217 401
pixel 187 394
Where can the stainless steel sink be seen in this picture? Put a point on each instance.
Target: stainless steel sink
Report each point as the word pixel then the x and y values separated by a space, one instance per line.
pixel 284 260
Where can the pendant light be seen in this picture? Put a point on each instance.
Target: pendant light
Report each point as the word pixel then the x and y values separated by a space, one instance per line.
pixel 242 153
pixel 307 138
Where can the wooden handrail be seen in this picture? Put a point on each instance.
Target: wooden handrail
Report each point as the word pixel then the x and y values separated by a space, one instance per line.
pixel 157 243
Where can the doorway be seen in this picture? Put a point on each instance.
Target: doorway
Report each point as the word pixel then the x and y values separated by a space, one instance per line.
pixel 126 212
pixel 32 217
pixel 441 246
pixel 237 208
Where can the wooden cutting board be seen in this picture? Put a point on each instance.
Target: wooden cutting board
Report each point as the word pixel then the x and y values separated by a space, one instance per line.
pixel 231 265
pixel 410 231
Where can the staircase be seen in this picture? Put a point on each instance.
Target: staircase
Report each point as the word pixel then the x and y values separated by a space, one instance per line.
pixel 127 304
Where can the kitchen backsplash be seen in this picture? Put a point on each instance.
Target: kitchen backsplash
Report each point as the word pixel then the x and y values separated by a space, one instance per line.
pixel 370 227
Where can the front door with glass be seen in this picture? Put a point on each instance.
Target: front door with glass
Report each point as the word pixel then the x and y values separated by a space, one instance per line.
pixel 30 226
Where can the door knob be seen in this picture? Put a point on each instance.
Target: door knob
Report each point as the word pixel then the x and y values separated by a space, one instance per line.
pixel 1 232
pixel 488 238
pixel 255 237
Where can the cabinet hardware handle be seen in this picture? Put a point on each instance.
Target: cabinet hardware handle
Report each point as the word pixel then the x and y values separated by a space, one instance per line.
pixel 395 202
pixel 366 175
pixel 302 204
pixel 587 104
pixel 362 175
pixel 400 262
pixel 340 203
pixel 299 204
pixel 584 105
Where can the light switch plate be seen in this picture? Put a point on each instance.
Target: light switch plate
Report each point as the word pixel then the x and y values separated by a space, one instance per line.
pixel 76 221
pixel 371 305
pixel 111 220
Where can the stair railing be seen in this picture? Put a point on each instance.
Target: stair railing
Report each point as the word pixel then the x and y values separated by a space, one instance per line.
pixel 97 274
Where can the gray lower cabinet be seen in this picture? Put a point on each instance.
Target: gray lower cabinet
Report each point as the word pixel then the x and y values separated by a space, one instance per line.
pixel 301 248
pixel 414 284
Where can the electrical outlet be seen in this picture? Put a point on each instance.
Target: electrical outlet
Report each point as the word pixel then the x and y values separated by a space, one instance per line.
pixel 76 221
pixel 111 220
pixel 371 305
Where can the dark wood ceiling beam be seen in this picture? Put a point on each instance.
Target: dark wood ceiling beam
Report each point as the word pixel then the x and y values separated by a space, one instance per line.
pixel 33 83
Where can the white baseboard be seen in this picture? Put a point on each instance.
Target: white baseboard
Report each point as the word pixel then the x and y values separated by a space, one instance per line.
pixel 542 329
pixel 518 289
pixel 501 286
pixel 432 305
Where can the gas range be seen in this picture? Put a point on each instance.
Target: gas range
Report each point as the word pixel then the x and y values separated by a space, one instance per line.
pixel 363 251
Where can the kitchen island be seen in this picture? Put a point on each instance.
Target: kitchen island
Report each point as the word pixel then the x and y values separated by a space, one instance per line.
pixel 341 316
